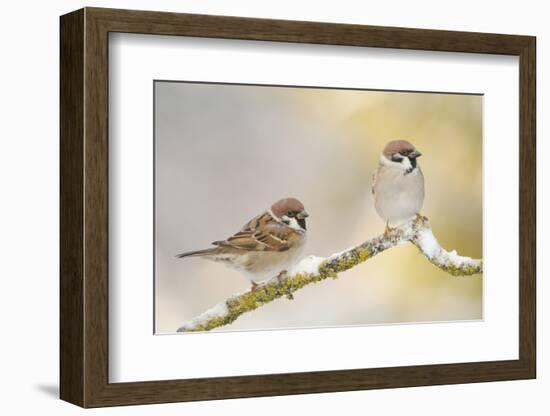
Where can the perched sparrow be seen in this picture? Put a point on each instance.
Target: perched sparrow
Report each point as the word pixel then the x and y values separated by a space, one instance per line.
pixel 267 245
pixel 398 183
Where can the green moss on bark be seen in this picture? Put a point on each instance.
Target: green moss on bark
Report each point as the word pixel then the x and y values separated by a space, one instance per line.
pixel 330 268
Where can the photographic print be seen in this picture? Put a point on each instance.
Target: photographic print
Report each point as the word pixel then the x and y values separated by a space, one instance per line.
pixel 329 196
pixel 283 207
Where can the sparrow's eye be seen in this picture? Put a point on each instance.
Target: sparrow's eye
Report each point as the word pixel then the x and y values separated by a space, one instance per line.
pixel 405 152
pixel 290 214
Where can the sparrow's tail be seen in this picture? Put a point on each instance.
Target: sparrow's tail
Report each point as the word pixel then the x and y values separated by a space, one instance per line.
pixel 197 253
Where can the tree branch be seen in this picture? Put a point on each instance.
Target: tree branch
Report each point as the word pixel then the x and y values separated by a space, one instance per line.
pixel 314 269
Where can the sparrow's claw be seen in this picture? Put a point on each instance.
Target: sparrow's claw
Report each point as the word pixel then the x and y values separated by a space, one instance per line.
pixel 255 285
pixel 280 276
pixel 388 230
pixel 420 217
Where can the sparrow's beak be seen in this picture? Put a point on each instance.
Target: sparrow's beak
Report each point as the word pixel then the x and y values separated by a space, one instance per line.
pixel 302 214
pixel 415 154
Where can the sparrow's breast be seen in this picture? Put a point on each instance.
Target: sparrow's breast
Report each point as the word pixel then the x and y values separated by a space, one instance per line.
pixel 398 197
pixel 263 265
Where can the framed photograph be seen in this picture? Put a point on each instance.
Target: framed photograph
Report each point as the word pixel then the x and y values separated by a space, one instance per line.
pixel 254 207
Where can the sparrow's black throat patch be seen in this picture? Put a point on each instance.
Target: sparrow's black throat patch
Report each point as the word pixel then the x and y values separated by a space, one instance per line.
pixel 413 164
pixel 302 223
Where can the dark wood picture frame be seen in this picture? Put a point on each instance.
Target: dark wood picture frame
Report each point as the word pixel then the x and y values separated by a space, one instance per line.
pixel 84 207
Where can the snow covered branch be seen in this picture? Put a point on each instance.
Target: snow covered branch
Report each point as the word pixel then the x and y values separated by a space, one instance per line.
pixel 313 269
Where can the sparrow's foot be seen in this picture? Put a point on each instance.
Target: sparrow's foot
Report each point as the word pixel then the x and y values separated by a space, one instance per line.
pixel 420 217
pixel 255 285
pixel 388 230
pixel 281 276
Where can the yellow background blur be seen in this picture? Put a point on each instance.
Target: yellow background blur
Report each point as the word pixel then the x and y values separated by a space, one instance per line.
pixel 224 153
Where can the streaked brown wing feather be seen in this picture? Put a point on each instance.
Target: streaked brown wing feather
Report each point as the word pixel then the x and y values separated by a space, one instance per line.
pixel 262 233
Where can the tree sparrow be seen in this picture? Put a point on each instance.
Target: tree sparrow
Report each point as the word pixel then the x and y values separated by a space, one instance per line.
pixel 267 245
pixel 398 183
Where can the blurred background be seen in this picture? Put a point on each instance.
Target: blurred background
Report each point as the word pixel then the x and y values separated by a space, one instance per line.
pixel 225 153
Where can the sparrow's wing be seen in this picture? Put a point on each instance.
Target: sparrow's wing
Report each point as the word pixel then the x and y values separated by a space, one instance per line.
pixel 262 233
pixel 373 182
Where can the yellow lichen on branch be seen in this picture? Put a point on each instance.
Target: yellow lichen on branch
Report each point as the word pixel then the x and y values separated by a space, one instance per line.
pixel 315 269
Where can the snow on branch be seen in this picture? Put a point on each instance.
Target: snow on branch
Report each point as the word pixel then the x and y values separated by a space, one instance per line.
pixel 314 269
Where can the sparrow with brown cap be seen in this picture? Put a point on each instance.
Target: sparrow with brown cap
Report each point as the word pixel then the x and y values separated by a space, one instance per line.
pixel 266 246
pixel 398 183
